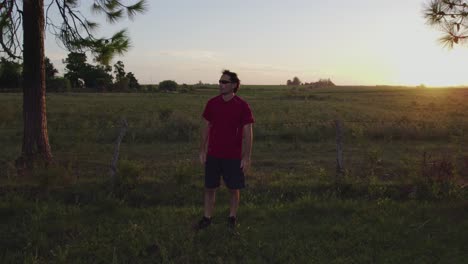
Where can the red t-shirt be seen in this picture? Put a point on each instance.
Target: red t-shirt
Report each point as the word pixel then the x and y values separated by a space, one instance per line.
pixel 227 120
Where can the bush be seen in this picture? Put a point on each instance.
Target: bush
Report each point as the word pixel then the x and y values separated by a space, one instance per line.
pixel 49 176
pixel 164 114
pixel 58 84
pixel 186 88
pixel 128 176
pixel 148 88
pixel 168 86
pixel 153 88
pixel 178 127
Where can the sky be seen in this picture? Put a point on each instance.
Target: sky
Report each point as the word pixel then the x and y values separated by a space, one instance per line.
pixel 359 42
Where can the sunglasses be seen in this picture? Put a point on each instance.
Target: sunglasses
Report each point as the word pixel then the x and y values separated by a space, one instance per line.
pixel 224 82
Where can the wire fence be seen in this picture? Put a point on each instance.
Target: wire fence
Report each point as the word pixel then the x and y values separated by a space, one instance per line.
pixel 338 153
pixel 257 124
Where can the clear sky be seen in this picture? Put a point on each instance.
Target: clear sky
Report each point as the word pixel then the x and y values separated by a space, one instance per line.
pixel 359 42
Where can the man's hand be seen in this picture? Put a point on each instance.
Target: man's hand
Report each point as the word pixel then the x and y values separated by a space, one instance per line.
pixel 247 147
pixel 202 157
pixel 245 164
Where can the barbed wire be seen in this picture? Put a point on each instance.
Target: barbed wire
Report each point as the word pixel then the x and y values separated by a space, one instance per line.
pixel 256 124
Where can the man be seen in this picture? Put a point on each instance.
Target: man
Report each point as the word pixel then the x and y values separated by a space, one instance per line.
pixel 226 146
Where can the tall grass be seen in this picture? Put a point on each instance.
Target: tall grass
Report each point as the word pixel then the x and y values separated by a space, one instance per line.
pixel 405 154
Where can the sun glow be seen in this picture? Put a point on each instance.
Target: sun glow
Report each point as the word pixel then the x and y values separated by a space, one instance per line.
pixel 416 57
pixel 445 68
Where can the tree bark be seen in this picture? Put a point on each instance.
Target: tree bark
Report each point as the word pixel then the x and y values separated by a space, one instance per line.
pixel 35 137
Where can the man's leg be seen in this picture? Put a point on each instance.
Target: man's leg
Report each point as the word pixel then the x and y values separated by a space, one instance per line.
pixel 210 194
pixel 234 178
pixel 210 197
pixel 234 202
pixel 212 181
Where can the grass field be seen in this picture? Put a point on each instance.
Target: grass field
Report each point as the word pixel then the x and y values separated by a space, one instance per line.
pixel 400 200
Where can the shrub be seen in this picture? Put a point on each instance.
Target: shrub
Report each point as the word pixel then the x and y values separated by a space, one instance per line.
pixel 128 176
pixel 148 88
pixel 121 85
pixel 186 88
pixel 164 114
pixel 168 86
pixel 184 172
pixel 439 175
pixel 153 88
pixel 178 127
pixel 55 175
pixel 58 84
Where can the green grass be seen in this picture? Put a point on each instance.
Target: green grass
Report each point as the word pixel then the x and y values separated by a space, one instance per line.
pixel 387 209
pixel 310 229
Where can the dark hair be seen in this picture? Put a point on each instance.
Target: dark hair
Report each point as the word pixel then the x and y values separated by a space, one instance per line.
pixel 233 77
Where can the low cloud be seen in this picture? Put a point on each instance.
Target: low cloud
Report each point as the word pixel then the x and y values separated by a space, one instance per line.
pixel 266 68
pixel 205 55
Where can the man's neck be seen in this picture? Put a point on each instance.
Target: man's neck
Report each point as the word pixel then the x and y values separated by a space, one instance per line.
pixel 227 97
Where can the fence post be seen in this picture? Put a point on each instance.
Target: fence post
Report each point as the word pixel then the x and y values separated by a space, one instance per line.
pixel 113 167
pixel 339 149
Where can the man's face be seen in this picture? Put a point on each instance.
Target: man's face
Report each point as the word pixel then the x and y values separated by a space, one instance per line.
pixel 225 85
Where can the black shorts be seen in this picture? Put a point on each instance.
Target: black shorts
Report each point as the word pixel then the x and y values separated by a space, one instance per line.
pixel 230 169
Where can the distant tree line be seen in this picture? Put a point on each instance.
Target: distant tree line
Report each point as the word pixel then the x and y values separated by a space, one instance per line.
pixel 79 75
pixel 321 83
pixel 98 77
pixel 82 76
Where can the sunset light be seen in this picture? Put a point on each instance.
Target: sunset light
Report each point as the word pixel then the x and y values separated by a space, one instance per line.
pixel 246 131
pixel 362 42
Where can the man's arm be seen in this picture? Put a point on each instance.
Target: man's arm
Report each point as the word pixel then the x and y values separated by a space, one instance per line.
pixel 205 130
pixel 247 146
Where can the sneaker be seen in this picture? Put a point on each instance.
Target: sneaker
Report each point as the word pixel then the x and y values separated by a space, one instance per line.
pixel 232 222
pixel 203 223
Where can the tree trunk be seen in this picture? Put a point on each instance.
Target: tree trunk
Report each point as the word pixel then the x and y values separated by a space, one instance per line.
pixel 35 137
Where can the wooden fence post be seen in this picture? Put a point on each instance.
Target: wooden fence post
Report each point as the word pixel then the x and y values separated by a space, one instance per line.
pixel 339 149
pixel 113 167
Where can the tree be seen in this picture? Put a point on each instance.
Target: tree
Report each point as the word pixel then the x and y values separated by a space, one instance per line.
pixel 75 32
pixel 168 85
pixel 132 81
pixel 80 73
pixel 119 70
pixel 121 82
pixel 451 17
pixel 296 81
pixel 97 77
pixel 124 81
pixel 35 137
pixel 75 67
pixel 322 83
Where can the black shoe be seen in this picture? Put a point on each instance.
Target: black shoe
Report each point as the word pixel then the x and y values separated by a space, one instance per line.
pixel 203 223
pixel 232 222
